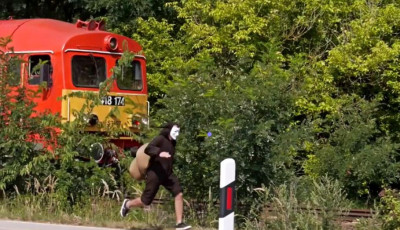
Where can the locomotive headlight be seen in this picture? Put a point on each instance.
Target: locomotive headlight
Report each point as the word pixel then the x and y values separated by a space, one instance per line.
pixel 93 119
pixel 111 43
pixel 145 120
pixel 136 121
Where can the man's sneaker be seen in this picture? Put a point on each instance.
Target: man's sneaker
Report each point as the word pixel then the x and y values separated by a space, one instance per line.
pixel 124 209
pixel 182 226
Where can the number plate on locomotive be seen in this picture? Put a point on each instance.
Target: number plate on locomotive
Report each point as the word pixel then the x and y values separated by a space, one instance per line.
pixel 113 100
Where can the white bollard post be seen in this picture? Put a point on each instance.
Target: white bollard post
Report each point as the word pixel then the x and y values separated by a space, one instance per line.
pixel 227 194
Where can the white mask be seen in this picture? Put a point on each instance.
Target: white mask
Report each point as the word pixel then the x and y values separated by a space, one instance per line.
pixel 174 132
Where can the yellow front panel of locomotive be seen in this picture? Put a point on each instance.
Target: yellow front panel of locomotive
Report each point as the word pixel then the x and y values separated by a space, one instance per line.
pixel 115 109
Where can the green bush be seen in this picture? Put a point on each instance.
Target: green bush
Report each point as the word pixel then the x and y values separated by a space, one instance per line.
pixel 227 113
pixel 390 209
pixel 21 158
pixel 350 147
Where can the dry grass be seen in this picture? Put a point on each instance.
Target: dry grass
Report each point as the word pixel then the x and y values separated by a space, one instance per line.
pixel 101 209
pixel 100 212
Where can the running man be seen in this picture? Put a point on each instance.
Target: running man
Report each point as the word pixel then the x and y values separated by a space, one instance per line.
pixel 161 151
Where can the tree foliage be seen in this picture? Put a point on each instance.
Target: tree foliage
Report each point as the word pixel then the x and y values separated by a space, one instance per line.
pixel 231 114
pixel 120 15
pixel 216 69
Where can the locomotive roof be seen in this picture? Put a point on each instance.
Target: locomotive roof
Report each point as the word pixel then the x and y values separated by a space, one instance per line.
pixel 50 34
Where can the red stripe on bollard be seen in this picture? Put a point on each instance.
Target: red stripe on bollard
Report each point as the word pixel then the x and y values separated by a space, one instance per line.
pixel 229 199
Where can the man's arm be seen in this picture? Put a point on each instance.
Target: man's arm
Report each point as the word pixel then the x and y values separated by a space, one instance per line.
pixel 152 148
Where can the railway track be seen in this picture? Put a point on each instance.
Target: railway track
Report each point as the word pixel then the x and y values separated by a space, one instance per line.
pixel 355 214
pixel 348 216
pixel 351 215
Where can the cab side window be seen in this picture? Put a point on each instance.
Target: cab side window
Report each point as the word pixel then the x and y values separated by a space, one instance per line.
pixel 35 62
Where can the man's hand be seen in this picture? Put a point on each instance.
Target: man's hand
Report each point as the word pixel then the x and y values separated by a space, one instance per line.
pixel 165 155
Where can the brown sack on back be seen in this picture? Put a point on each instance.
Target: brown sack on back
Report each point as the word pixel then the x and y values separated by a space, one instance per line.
pixel 140 164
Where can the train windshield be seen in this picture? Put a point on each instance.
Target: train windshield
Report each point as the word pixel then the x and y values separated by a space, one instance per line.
pixel 88 71
pixel 130 77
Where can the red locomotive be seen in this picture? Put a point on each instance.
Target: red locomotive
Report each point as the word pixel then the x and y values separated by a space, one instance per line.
pixel 78 57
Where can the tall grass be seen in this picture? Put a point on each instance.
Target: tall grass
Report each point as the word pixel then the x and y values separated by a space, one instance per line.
pixel 38 202
pixel 296 205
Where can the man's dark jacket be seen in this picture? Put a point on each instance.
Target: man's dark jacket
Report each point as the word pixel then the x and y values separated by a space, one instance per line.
pixel 162 143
